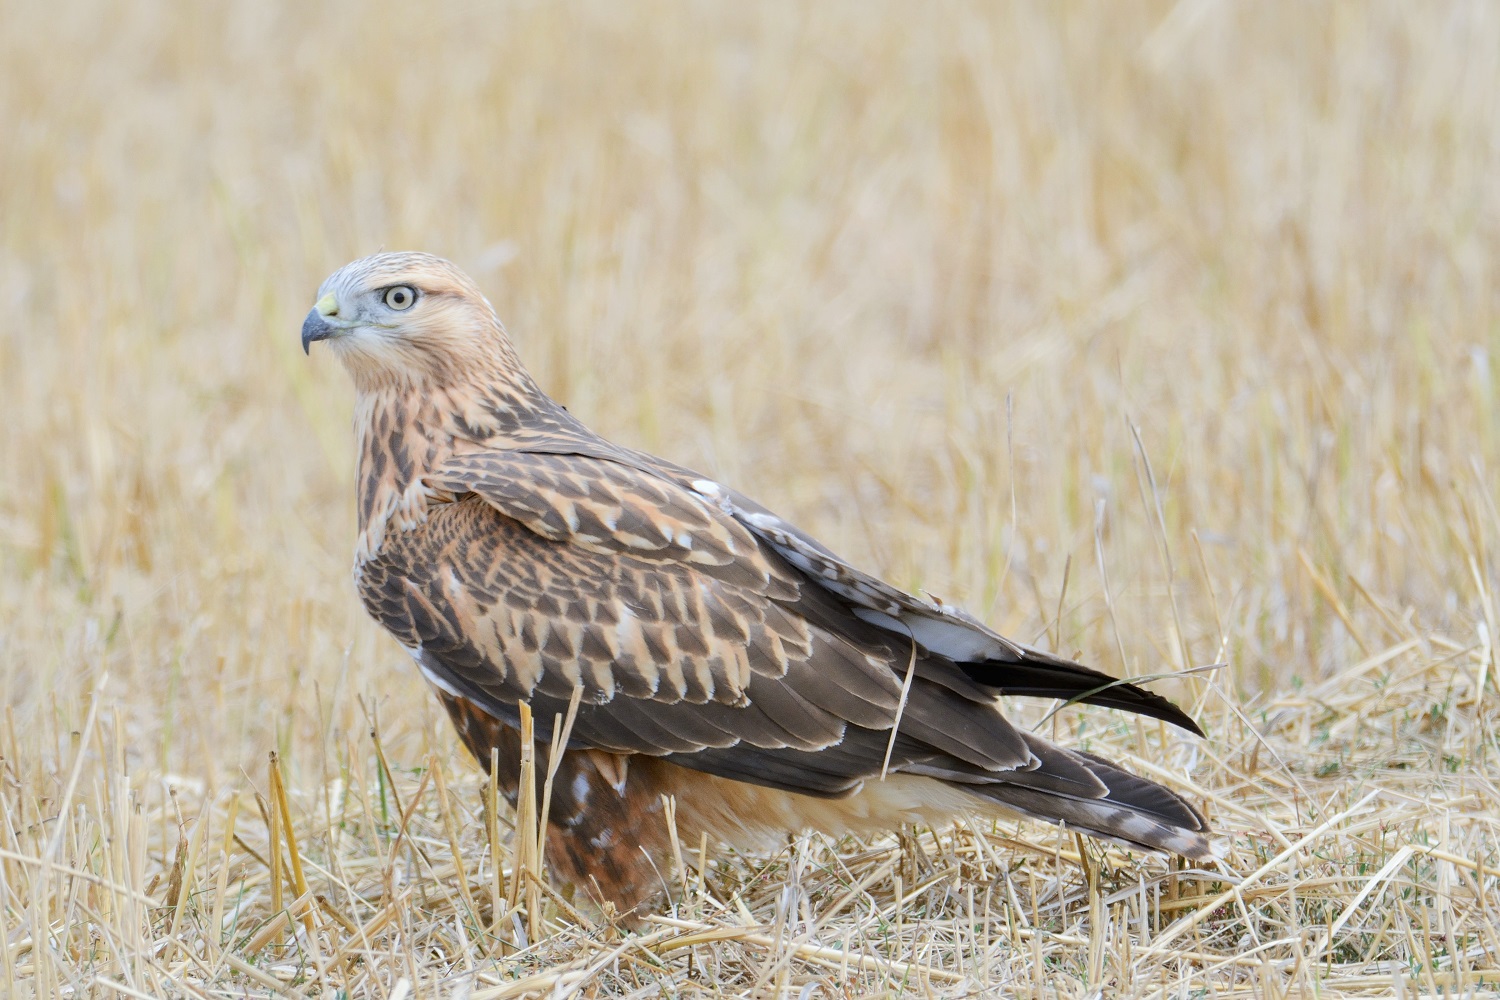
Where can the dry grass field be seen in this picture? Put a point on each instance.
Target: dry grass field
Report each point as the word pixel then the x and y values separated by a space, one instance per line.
pixel 1165 335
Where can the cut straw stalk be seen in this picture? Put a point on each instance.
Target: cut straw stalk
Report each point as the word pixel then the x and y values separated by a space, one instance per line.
pixel 562 729
pixel 450 828
pixel 299 880
pixel 187 872
pixel 499 893
pixel 527 854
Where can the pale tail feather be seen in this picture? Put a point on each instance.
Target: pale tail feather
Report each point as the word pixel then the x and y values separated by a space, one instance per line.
pixel 1135 812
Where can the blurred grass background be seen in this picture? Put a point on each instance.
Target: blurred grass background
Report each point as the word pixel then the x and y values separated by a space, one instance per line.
pixel 1163 334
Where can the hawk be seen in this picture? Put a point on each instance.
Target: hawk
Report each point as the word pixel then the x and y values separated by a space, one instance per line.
pixel 718 654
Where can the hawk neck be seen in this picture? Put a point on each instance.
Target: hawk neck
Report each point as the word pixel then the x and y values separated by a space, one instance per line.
pixel 405 435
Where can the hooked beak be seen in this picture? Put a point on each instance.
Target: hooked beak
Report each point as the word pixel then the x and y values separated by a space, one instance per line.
pixel 316 326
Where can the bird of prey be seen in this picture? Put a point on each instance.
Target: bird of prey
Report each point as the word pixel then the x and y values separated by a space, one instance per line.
pixel 718 654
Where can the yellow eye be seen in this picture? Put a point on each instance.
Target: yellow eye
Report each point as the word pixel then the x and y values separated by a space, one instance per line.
pixel 400 297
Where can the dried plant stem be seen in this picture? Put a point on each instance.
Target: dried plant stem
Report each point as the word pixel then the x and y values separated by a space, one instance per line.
pixel 528 830
pixel 283 809
pixel 500 898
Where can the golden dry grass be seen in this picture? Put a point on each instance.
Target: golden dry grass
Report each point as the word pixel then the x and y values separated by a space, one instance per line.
pixel 1162 334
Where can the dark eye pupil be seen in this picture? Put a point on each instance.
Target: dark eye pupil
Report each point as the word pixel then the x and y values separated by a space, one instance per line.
pixel 399 298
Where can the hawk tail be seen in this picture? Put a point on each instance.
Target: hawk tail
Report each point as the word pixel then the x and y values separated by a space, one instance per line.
pixel 1134 811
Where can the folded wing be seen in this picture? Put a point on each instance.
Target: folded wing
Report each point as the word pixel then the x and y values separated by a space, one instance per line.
pixel 682 630
pixel 699 627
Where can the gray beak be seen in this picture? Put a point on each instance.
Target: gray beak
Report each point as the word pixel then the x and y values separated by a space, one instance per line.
pixel 315 327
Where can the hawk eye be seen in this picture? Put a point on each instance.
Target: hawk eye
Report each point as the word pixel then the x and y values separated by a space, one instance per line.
pixel 400 297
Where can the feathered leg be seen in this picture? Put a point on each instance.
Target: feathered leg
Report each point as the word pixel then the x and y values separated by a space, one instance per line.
pixel 606 831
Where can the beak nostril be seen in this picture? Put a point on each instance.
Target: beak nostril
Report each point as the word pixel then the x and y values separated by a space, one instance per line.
pixel 328 305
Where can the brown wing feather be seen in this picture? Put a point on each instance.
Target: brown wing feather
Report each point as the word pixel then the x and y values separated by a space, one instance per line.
pixel 981 654
pixel 544 578
pixel 612 509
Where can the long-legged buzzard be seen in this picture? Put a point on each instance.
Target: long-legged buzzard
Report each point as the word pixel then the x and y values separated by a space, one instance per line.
pixel 720 654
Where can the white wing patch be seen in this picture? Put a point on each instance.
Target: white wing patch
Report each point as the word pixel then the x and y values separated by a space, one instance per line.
pixel 943 629
pixel 433 677
pixel 952 639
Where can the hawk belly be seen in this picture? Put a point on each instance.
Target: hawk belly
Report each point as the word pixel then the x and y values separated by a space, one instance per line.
pixel 607 832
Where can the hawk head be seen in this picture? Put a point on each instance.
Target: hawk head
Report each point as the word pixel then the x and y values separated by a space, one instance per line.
pixel 406 319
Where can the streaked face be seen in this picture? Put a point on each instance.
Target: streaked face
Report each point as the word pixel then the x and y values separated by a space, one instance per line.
pixel 400 316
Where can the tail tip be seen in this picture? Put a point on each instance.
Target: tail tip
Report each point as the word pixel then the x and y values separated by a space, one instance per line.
pixel 1195 846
